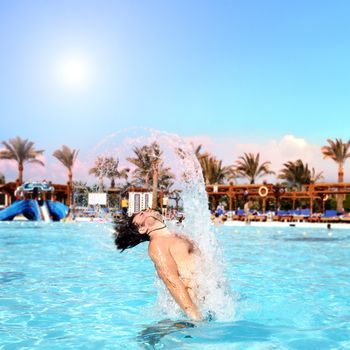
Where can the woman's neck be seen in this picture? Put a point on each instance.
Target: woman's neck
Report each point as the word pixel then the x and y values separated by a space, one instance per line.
pixel 158 231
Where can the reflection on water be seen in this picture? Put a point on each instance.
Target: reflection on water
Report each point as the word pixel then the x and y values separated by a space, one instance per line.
pixel 6 277
pixel 316 239
pixel 309 238
pixel 151 336
pixel 168 334
pixel 16 226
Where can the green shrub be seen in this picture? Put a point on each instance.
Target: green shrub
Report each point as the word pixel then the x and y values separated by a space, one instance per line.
pixel 346 203
pixel 331 204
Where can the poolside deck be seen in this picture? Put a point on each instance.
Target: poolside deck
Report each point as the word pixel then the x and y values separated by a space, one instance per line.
pixel 321 225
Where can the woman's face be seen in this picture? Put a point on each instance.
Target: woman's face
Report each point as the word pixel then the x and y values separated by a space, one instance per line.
pixel 146 217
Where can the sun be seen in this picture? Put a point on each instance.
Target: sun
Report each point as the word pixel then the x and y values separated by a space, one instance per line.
pixel 73 72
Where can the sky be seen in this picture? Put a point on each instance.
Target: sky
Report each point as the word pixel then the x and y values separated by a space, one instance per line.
pixel 236 76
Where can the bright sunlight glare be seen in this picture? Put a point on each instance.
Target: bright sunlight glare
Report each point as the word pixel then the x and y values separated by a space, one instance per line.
pixel 73 72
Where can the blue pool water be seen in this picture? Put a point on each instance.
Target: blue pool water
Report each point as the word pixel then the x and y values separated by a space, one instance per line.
pixel 63 286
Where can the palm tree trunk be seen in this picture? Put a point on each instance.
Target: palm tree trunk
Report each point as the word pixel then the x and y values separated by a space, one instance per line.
pixel 340 197
pixel 20 173
pixel 147 182
pixel 68 194
pixel 70 177
pixel 155 188
pixel 340 173
pixel 100 184
pixel 70 186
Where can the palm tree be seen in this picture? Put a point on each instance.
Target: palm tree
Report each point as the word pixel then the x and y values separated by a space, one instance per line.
pixel 142 162
pixel 81 192
pixel 202 158
pixel 112 172
pixel 107 167
pixel 316 177
pixel 67 157
pixel 199 155
pixel 99 171
pixel 155 154
pixel 148 164
pixel 249 166
pixel 296 174
pixel 339 152
pixel 197 150
pixel 22 151
pixel 213 171
pixel 165 178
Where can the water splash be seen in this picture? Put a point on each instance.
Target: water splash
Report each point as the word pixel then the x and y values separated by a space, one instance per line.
pixel 180 157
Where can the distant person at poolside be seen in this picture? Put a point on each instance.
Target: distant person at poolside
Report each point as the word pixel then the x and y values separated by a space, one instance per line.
pixel 165 202
pixel 219 209
pixel 125 205
pixel 171 215
pixel 173 255
pixel 247 207
pixel 217 220
pixel 246 196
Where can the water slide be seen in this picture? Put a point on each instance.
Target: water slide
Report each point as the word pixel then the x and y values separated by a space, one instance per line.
pixel 33 209
pixel 29 208
pixel 32 212
pixel 45 214
pixel 57 210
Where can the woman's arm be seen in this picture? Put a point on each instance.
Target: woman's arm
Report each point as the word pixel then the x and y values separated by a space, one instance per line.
pixel 167 270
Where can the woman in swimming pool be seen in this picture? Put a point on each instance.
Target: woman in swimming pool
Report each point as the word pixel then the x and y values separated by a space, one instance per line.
pixel 174 256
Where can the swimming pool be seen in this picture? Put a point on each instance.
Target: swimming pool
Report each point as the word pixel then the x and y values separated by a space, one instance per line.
pixel 63 286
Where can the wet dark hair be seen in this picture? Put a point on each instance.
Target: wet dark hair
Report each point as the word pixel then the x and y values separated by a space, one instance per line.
pixel 126 234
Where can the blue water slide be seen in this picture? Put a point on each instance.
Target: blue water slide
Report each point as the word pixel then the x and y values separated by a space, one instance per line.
pixel 57 210
pixel 32 210
pixel 29 208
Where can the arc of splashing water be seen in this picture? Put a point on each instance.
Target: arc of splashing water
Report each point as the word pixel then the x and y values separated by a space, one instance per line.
pixel 197 216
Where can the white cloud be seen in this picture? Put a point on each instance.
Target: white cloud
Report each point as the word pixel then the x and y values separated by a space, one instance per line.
pixel 9 169
pixel 277 151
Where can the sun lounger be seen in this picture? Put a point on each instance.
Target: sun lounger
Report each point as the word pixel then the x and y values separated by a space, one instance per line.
pixel 241 214
pixel 315 217
pixel 298 218
pixel 330 216
pixel 260 218
pixel 301 215
pixel 284 215
pixel 345 219
pixel 305 213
